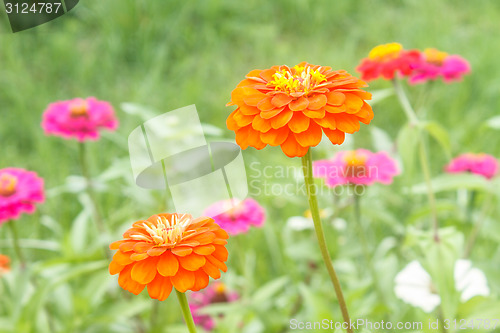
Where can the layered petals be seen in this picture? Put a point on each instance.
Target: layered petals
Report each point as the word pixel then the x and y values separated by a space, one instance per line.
pixel 169 251
pixel 293 107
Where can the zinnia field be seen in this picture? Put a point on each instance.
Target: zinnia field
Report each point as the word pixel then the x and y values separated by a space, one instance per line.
pixel 251 167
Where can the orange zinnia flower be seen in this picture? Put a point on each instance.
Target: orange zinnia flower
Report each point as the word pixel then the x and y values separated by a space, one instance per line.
pixel 292 107
pixel 169 250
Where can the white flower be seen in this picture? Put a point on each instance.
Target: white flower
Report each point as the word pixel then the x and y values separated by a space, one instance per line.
pixel 414 285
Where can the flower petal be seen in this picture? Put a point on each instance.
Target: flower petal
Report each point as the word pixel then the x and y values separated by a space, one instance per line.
pixel 275 137
pixel 182 251
pixel 122 258
pixel 291 148
pixel 204 249
pixel 265 104
pixel 201 280
pixel 347 123
pixel 336 137
pixel 192 262
pixel 281 100
pixel 311 137
pixel 317 102
pixel 144 271
pixel 299 122
pixel 314 113
pixel 168 264
pixel 183 280
pixel 335 98
pixel 281 119
pixel 299 104
pixel 260 124
pixel 160 288
pixel 125 281
pixel 211 270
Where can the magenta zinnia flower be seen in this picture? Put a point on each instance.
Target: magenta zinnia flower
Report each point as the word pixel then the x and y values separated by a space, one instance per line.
pixel 358 167
pixel 434 64
pixel 237 216
pixel 215 293
pixel 79 118
pixel 480 164
pixel 20 190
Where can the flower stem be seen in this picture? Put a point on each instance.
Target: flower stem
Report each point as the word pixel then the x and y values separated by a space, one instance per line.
pixel 424 161
pixel 15 242
pixel 90 189
pixel 320 235
pixel 405 103
pixel 487 208
pixel 186 312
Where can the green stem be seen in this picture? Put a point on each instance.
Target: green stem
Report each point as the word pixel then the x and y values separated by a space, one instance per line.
pixel 477 227
pixel 186 312
pixel 430 193
pixel 405 103
pixel 15 242
pixel 90 189
pixel 470 204
pixel 320 235
pixel 364 246
pixel 424 161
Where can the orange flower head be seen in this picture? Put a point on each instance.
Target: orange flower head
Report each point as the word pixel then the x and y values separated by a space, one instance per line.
pixel 4 264
pixel 293 107
pixel 169 250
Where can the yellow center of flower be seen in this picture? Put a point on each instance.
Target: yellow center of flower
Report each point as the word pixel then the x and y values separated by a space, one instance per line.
pixel 165 232
pixel 220 288
pixel 79 108
pixel 435 56
pixel 7 184
pixel 355 164
pixel 385 51
pixel 300 79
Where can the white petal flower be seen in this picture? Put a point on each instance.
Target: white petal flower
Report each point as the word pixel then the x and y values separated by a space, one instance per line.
pixel 470 281
pixel 414 286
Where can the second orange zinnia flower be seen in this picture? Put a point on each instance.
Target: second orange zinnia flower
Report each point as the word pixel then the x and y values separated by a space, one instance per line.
pixel 293 107
pixel 169 250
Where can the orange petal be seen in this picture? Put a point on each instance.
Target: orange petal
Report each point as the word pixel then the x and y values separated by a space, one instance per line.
pixel 281 119
pixel 241 119
pixel 144 271
pixel 328 121
pixel 299 104
pixel 241 137
pixel 336 137
pixel 192 262
pixel 138 256
pixel 204 238
pixel 299 122
pixel 248 110
pixel 271 114
pixel 252 96
pixel 220 253
pixel 347 123
pixel 265 104
pixel 221 233
pixel 335 98
pixel 211 270
pixel 183 280
pixel 116 245
pixel 311 137
pixel 135 231
pixel 201 280
pixel 281 100
pixel 219 241
pixel 204 249
pixel 168 264
pixel 182 251
pixel 127 246
pixel 314 113
pixel 115 268
pixel 142 247
pixel 353 103
pixel 317 101
pixel 291 147
pixel 160 288
pixel 267 74
pixel 275 137
pixel 365 114
pixel 125 281
pixel 122 258
pixel 217 263
pixel 156 251
pixel 335 109
pixel 260 124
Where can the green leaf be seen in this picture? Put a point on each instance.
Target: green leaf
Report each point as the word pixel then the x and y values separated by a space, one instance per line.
pixel 268 290
pixel 440 134
pixel 381 139
pixel 452 182
pixel 380 95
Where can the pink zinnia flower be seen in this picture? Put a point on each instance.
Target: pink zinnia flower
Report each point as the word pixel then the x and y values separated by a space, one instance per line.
pixel 480 164
pixel 19 191
pixel 359 167
pixel 215 293
pixel 79 118
pixel 434 64
pixel 237 216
